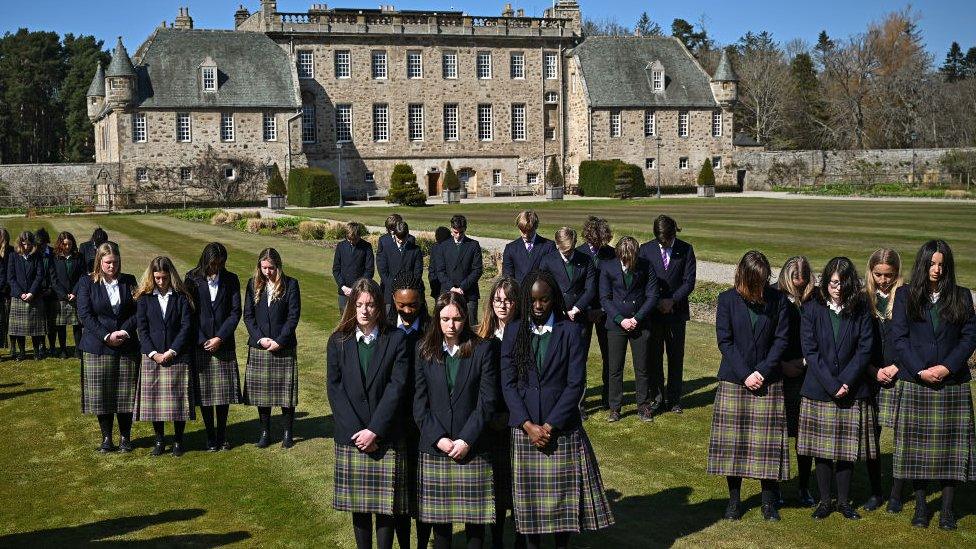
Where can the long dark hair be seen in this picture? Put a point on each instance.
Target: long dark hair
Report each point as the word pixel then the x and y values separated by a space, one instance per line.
pixel 752 277
pixel 213 255
pixel 953 307
pixel 522 353
pixel 65 245
pixel 432 346
pixel 851 294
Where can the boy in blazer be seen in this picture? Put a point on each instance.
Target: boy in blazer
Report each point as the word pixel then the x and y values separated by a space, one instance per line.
pixel 459 265
pixel 523 255
pixel 399 254
pixel 353 260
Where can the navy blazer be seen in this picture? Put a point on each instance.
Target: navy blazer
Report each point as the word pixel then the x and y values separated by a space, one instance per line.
pixel 372 401
pixel 351 263
pixel 920 346
pixel 160 334
pixel 26 275
pixel 601 254
pixel 554 397
pixel 459 414
pixel 390 261
pixel 217 318
pixel 98 319
pixel 435 284
pixel 829 364
pixel 617 299
pixel 460 268
pixel 677 282
pixel 277 321
pixel 518 263
pixel 387 240
pixel 746 349
pixel 88 250
pixel 4 263
pixel 582 288
pixel 60 281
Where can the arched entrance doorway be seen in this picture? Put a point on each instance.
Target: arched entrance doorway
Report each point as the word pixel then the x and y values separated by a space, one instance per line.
pixel 469 181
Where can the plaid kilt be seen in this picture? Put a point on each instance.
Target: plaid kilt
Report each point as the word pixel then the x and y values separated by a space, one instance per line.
pixel 217 380
pixel 4 320
pixel 27 319
pixel 558 488
pixel 500 442
pixel 164 392
pixel 271 379
pixel 887 399
pixel 65 313
pixel 791 398
pixel 371 483
pixel 934 435
pixel 749 437
pixel 842 433
pixel 108 383
pixel 456 492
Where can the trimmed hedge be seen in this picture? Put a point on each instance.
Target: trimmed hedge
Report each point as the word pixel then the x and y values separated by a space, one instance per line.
pixel 312 187
pixel 597 178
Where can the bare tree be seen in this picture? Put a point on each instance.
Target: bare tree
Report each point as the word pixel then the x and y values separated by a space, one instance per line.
pixel 764 80
pixel 227 177
pixel 848 73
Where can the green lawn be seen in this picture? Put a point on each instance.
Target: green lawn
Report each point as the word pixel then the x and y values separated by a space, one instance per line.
pixel 56 490
pixel 723 229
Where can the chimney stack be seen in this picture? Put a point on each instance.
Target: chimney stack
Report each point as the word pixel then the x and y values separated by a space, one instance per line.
pixel 183 20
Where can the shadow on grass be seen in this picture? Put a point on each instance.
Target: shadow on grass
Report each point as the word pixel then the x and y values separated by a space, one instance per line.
pixel 593 397
pixel 9 385
pixel 95 533
pixel 25 392
pixel 247 432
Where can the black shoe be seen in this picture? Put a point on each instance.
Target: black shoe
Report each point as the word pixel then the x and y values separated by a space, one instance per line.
pixel 614 416
pixel 65 353
pixel 77 353
pixel 873 503
pixel 822 511
pixel 158 448
pixel 770 513
pixel 921 518
pixel 224 445
pixel 778 499
pixel 947 520
pixel 583 415
pixel 106 446
pixel 125 446
pixel 177 449
pixel 645 414
pixel 847 511
pixel 263 442
pixel 805 499
pixel 286 440
pixel 676 409
pixel 40 354
pixel 212 446
pixel 894 506
pixel 19 357
pixel 732 511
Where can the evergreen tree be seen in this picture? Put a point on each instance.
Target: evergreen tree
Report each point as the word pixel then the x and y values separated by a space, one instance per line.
pixel 403 187
pixel 646 27
pixel 554 176
pixel 451 181
pixel 969 63
pixel 32 70
pixel 808 110
pixel 695 41
pixel 82 55
pixel 706 177
pixel 276 185
pixel 952 68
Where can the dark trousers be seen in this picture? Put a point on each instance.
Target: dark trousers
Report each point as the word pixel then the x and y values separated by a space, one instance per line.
pixel 342 304
pixel 473 319
pixel 617 342
pixel 601 337
pixel 667 337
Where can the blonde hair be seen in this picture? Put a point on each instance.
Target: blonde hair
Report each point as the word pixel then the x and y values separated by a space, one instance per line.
pixel 797 263
pixel 883 256
pixel 107 248
pixel 565 239
pixel 627 251
pixel 4 242
pixel 527 220
pixel 161 264
pixel 272 255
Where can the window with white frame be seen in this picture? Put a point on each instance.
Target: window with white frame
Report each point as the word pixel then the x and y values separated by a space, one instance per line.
pixel 615 128
pixel 550 134
pixel 518 122
pixel 716 124
pixel 415 65
pixel 379 65
pixel 551 97
pixel 451 122
pixel 496 177
pixel 309 133
pixel 186 174
pixel 140 133
pixel 369 178
pixel 306 64
pixel 485 124
pixel 415 122
pixel 270 125
pixel 184 133
pixel 381 123
pixel 226 126
pixel 449 65
pixel 484 65
pixel 716 162
pixel 517 65
pixel 209 77
pixel 230 173
pixel 650 124
pixel 343 64
pixel 657 80
pixel 683 163
pixel 551 66
pixel 531 179
pixel 683 124
pixel 142 175
pixel 650 163
pixel 343 123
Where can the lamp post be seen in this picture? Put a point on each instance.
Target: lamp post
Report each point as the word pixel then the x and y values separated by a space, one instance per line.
pixel 339 149
pixel 657 162
pixel 913 136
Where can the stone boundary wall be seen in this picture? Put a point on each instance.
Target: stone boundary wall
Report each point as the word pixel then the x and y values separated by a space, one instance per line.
pixel 51 184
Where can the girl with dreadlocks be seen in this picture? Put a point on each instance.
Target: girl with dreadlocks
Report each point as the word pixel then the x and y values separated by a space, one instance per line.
pixel 934 330
pixel 556 478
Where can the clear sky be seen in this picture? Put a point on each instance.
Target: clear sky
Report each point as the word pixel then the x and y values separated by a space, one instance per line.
pixel 942 21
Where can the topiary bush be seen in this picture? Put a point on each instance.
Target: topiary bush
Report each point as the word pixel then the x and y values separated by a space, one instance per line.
pixel 312 188
pixel 276 185
pixel 403 187
pixel 451 181
pixel 598 178
pixel 554 176
pixel 706 176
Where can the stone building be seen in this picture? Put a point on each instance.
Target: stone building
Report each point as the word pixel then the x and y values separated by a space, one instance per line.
pixel 357 91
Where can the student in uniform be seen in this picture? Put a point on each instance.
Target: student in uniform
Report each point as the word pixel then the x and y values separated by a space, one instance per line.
pixel 6 252
pixel 387 239
pixel 26 277
pixel 934 330
pixel 673 260
pixel 46 254
pixel 216 293
pixel 399 254
pixel 796 285
pixel 459 265
pixel 837 418
pixel 272 307
pixel 597 236
pixel 109 346
pixel 366 376
pixel 882 280
pixel 522 255
pixel 353 260
pixel 456 384
pixel 749 437
pixel 67 268
pixel 89 248
pixel 164 321
pixel 628 294
pixel 557 486
pixel 441 234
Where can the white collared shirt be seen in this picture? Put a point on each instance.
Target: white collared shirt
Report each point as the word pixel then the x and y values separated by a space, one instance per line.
pixel 270 287
pixel 367 338
pixel 163 299
pixel 499 333
pixel 451 350
pixel 114 297
pixel 835 307
pixel 547 327
pixel 934 297
pixel 624 267
pixel 213 283
pixel 881 294
pixel 791 298
pixel 565 257
pixel 407 328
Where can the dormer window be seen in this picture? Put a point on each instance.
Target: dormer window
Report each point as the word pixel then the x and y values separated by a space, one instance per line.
pixel 209 75
pixel 655 71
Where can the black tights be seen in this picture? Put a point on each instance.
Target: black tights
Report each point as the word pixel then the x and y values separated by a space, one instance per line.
pixel 769 489
pixel 803 465
pixel 498 531
pixel 362 527
pixel 62 333
pixel 948 493
pixel 874 476
pixel 178 428
pixel 105 422
pixel 216 436
pixel 264 415
pixel 402 526
pixel 844 472
pixel 475 534
pixel 21 342
pixel 561 540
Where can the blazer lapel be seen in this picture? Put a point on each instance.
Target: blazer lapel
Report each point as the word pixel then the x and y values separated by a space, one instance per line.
pixel 845 329
pixel 221 290
pixel 464 370
pixel 461 248
pixel 378 353
pixel 554 341
pixel 351 362
pixel 761 321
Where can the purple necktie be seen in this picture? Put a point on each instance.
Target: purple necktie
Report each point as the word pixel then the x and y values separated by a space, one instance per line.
pixel 666 257
pixel 528 246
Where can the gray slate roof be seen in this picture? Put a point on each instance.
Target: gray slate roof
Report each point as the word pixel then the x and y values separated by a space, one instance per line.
pixel 725 72
pixel 97 87
pixel 121 65
pixel 614 70
pixel 743 139
pixel 252 71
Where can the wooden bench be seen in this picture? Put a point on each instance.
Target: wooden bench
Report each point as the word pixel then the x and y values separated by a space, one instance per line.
pixel 378 193
pixel 512 190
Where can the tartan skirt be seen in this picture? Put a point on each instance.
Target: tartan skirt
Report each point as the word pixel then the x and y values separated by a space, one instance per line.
pixel 934 435
pixel 500 442
pixel 557 488
pixel 455 492
pixel 371 483
pixel 65 313
pixel 109 383
pixel 4 319
pixel 164 392
pixel 271 379
pixel 791 399
pixel 27 319
pixel 749 437
pixel 217 378
pixel 887 399
pixel 835 432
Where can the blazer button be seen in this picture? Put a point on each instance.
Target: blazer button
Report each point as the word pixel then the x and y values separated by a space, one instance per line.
pixel 364 399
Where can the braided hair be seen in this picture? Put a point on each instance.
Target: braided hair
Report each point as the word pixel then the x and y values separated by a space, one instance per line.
pixel 406 280
pixel 522 353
